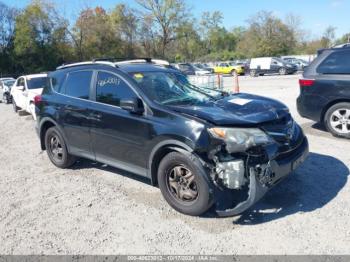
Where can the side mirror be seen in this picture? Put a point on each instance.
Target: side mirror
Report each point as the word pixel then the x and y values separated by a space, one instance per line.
pixel 21 88
pixel 133 105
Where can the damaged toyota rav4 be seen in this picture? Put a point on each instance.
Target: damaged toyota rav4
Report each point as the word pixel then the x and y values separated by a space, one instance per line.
pixel 203 147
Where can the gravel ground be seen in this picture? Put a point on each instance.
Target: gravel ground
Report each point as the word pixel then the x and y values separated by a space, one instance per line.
pixel 95 209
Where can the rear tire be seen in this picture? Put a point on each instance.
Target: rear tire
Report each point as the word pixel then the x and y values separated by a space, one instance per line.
pixel 57 150
pixel 282 71
pixel 337 120
pixel 182 183
pixel 253 73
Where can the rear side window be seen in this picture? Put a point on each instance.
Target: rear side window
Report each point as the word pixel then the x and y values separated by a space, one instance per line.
pixel 78 84
pixel 110 89
pixel 335 63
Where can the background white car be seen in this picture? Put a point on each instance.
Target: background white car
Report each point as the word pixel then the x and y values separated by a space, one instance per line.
pixel 24 91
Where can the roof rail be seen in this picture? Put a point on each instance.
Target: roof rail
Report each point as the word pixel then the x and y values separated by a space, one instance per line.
pixel 120 60
pixel 342 45
pixel 86 63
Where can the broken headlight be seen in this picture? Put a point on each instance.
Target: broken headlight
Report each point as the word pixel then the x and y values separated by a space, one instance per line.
pixel 240 139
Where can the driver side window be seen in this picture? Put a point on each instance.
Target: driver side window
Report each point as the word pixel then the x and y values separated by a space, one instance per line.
pixel 110 89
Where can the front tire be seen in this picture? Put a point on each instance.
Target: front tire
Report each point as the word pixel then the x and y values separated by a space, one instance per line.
pixel 337 120
pixel 182 183
pixel 57 150
pixel 5 99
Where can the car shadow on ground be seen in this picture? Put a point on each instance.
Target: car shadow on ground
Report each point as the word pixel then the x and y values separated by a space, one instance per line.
pixel 313 185
pixel 318 129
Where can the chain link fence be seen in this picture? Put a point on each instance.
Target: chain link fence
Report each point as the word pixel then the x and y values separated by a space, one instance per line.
pixel 213 81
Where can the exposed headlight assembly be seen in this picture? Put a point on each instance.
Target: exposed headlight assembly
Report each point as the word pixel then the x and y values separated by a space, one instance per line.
pixel 240 139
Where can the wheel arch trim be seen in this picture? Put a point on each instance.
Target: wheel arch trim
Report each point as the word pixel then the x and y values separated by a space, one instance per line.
pixel 43 122
pixel 330 104
pixel 160 150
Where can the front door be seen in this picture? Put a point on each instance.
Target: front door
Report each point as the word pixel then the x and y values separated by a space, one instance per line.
pixel 119 138
pixel 20 93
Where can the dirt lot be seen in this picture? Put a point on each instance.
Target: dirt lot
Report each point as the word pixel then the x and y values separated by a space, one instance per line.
pixel 92 209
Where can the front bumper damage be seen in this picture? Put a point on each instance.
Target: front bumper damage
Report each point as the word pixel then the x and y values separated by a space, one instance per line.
pixel 260 178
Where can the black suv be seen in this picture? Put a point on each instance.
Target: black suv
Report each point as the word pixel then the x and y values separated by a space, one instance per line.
pixel 202 147
pixel 325 90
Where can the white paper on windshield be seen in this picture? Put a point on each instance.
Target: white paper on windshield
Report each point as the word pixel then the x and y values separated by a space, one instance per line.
pixel 240 101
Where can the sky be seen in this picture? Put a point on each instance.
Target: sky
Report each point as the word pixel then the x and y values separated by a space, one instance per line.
pixel 316 15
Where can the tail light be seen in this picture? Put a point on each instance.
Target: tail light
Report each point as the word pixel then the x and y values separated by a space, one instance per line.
pixel 306 82
pixel 37 100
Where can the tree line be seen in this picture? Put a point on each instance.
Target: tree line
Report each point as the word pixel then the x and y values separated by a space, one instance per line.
pixel 38 38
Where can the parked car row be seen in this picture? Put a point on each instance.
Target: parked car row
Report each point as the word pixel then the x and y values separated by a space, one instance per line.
pixel 21 92
pixel 6 85
pixel 255 67
pixel 204 148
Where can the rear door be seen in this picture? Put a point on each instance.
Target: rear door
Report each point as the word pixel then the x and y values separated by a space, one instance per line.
pixel 119 138
pixel 75 112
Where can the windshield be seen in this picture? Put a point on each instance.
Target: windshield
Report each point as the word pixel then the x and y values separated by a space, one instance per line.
pixel 38 82
pixel 168 88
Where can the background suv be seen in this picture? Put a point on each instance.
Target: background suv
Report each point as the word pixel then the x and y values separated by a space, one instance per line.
pixel 202 147
pixel 325 90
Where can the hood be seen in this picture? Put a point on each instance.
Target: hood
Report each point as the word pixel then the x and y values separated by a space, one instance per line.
pixel 238 110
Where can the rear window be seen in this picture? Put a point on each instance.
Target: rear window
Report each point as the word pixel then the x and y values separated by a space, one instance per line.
pixel 335 63
pixel 78 84
pixel 38 82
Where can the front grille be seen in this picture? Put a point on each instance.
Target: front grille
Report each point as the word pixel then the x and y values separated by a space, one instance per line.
pixel 285 132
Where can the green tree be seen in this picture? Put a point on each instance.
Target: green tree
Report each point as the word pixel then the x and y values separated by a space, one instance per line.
pixel 126 25
pixel 93 35
pixel 7 25
pixel 40 42
pixel 267 35
pixel 166 16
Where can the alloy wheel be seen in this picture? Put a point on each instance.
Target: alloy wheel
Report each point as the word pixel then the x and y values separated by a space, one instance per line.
pixel 181 184
pixel 56 149
pixel 340 121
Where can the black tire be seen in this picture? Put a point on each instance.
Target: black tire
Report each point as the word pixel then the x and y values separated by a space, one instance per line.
pixel 233 72
pixel 282 71
pixel 15 107
pixel 57 150
pixel 253 73
pixel 338 113
pixel 5 99
pixel 195 191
